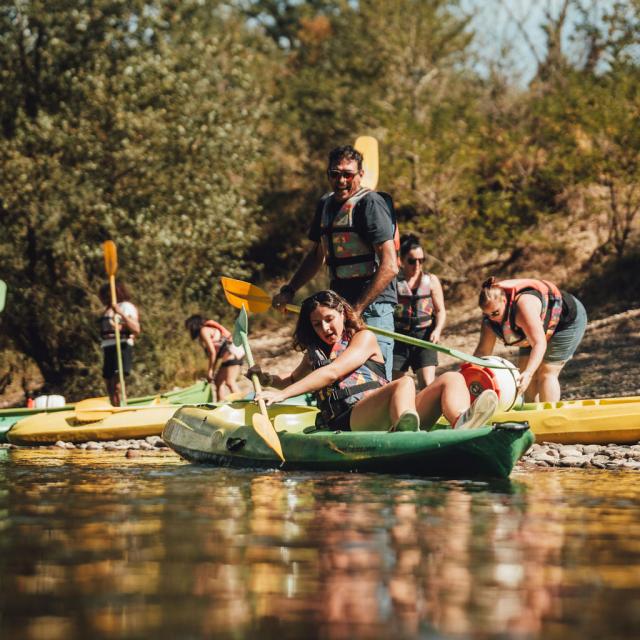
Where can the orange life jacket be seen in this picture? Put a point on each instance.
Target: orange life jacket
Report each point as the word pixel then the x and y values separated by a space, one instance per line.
pixel 222 344
pixel 337 398
pixel 347 254
pixel 551 298
pixel 415 311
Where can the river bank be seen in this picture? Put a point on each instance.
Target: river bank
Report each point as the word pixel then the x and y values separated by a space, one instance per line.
pixel 607 364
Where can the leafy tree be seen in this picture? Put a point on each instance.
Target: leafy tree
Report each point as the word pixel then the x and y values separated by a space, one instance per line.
pixel 150 140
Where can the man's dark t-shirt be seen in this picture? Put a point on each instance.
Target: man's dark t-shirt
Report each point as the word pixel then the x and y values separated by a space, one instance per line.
pixel 372 217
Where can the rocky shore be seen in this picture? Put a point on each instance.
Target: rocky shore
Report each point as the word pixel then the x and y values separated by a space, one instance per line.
pixel 592 373
pixel 610 456
pixel 131 448
pixel 546 454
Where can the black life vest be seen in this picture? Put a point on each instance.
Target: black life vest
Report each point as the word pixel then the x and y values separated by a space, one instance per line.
pixel 339 397
pixel 347 254
pixel 107 326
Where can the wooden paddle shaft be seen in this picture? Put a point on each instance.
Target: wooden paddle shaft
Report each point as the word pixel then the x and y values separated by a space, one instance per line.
pixel 114 300
pixel 254 378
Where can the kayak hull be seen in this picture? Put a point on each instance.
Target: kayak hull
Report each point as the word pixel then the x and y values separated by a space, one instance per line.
pixel 593 421
pixel 223 437
pixel 137 420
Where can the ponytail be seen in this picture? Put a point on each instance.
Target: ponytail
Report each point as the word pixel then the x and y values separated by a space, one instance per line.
pixel 490 291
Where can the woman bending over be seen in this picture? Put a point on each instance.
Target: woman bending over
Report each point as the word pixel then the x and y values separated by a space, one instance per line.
pixel 224 358
pixel 547 325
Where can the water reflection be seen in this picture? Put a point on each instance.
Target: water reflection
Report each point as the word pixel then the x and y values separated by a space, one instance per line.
pixel 101 546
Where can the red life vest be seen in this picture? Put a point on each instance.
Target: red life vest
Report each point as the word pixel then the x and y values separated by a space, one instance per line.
pixel 551 298
pixel 225 335
pixel 337 398
pixel 415 311
pixel 347 254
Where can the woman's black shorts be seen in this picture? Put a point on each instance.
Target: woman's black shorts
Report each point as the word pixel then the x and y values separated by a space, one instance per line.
pixel 110 365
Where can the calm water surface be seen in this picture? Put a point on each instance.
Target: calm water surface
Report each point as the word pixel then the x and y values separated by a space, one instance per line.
pixel 98 546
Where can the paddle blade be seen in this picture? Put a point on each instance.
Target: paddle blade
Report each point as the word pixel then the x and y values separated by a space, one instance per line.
pixel 110 257
pixel 368 147
pixel 241 326
pixel 3 294
pixel 267 432
pixel 244 294
pixel 96 414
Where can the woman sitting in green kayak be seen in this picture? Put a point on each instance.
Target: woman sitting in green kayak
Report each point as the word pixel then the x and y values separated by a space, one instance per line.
pixel 344 368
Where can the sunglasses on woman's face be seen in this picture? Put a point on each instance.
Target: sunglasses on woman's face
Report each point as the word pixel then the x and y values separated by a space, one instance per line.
pixel 415 261
pixel 492 314
pixel 334 174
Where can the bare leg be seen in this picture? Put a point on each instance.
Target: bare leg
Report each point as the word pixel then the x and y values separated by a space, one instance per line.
pixel 548 383
pixel 113 389
pixel 426 375
pixel 382 407
pixel 221 392
pixel 447 395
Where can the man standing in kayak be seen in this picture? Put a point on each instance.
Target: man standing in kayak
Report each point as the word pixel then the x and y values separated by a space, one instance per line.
pixel 352 232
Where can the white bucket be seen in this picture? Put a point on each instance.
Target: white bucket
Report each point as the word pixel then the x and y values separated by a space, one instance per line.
pixel 49 402
pixel 503 381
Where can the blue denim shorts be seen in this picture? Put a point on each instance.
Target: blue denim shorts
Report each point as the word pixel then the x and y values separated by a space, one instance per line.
pixel 380 314
pixel 563 344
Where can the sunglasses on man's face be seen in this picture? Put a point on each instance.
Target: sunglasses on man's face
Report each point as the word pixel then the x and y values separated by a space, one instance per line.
pixel 334 174
pixel 415 260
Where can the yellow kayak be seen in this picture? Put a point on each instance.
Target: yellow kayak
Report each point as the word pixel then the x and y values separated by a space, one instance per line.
pixel 122 422
pixel 593 421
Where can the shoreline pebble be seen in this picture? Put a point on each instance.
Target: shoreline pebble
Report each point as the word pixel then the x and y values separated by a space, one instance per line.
pixel 134 447
pixel 595 456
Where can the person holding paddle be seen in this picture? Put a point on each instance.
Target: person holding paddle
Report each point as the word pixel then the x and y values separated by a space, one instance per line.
pixel 420 313
pixel 344 368
pixel 224 358
pixel 125 314
pixel 547 325
pixel 353 233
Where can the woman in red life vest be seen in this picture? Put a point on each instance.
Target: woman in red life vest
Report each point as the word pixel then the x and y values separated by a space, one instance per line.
pixel 344 368
pixel 545 323
pixel 125 313
pixel 419 313
pixel 218 346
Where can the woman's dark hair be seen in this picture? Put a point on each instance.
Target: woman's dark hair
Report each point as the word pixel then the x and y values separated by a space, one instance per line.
pixel 193 324
pixel 122 293
pixel 305 336
pixel 344 153
pixel 408 242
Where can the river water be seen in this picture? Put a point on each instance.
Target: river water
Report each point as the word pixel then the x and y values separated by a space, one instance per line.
pixel 99 546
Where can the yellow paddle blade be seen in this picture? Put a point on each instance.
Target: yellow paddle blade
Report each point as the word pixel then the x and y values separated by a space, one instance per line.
pixel 95 414
pixel 368 147
pixel 93 403
pixel 267 432
pixel 244 294
pixel 110 257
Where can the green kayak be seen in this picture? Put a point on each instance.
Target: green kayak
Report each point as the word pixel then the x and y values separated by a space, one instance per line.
pixel 224 436
pixel 199 392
